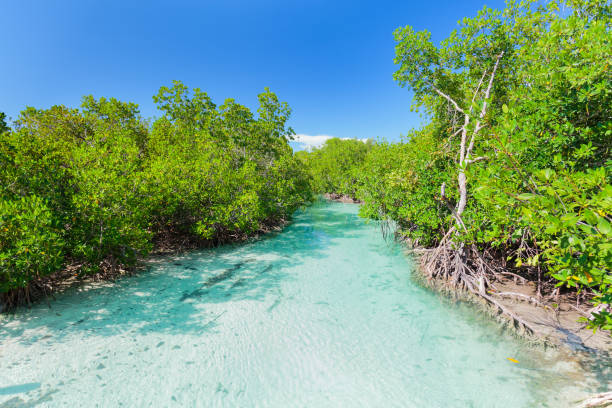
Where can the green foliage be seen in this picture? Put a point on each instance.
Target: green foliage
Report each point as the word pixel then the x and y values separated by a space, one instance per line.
pixel 30 243
pixel 94 186
pixel 3 125
pixel 221 173
pixel 401 182
pixel 549 177
pixel 335 166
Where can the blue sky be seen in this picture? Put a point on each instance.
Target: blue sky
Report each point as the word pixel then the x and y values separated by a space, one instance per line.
pixel 331 60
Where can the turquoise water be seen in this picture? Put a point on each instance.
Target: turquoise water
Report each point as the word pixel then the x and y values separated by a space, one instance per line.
pixel 324 314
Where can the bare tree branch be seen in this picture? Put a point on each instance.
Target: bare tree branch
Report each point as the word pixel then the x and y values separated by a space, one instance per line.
pixel 465 153
pixel 450 207
pixel 451 100
pixel 474 160
pixel 483 111
pixel 477 89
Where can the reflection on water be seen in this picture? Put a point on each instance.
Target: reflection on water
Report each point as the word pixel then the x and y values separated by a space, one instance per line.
pixel 322 314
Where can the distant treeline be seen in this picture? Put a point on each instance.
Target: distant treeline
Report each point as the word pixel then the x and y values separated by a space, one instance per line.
pixel 94 188
pixel 513 170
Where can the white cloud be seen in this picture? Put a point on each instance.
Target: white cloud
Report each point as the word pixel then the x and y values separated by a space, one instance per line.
pixel 309 142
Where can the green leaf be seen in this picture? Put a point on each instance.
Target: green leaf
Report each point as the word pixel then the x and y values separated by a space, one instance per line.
pixel 526 196
pixel 604 226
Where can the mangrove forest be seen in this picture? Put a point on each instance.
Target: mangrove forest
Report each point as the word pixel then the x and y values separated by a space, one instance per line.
pixel 199 258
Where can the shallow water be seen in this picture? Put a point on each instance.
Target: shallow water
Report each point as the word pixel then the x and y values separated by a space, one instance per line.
pixel 323 314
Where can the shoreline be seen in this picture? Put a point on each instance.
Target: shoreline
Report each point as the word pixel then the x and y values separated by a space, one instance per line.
pixel 166 244
pixel 556 329
pixel 552 326
pixel 555 324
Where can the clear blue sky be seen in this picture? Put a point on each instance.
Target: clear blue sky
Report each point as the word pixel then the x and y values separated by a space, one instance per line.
pixel 331 60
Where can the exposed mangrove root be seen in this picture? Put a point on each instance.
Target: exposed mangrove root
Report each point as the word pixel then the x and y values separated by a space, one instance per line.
pixel 464 268
pixel 43 288
pixel 599 400
pixel 530 299
pixel 25 296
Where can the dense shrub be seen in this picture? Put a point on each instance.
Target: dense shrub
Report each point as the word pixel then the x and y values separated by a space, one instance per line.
pixel 95 186
pixel 30 243
pixel 335 166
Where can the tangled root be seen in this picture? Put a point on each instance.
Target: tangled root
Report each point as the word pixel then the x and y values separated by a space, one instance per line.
pixel 463 268
pixel 10 300
pixel 600 400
